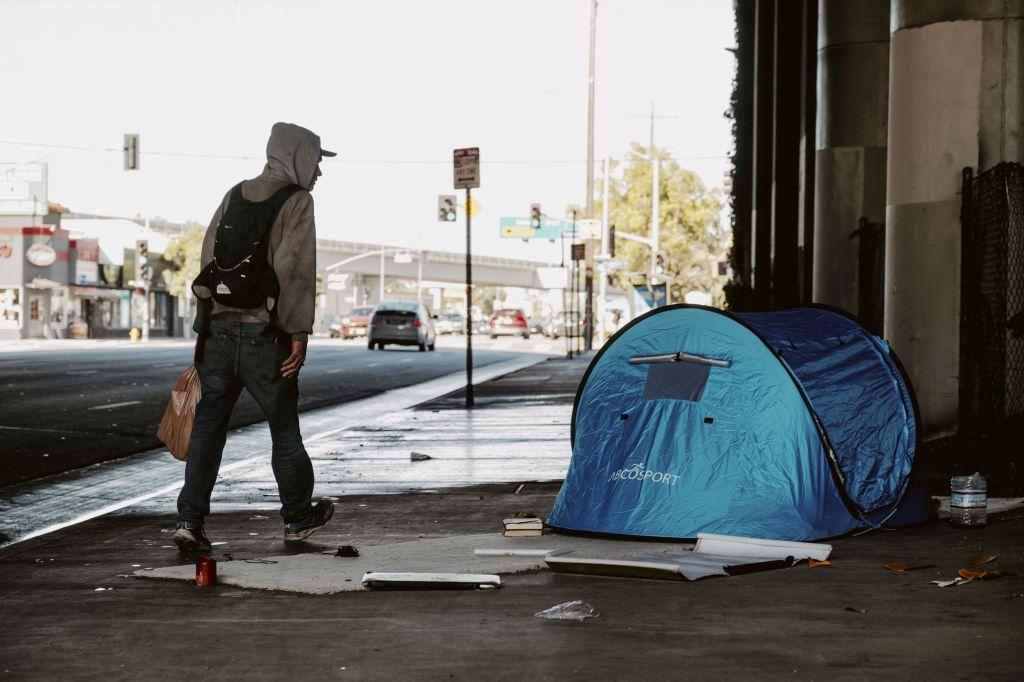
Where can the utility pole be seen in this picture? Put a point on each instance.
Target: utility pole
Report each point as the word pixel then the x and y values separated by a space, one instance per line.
pixel 381 299
pixel 655 199
pixel 419 277
pixel 588 262
pixel 602 299
pixel 590 110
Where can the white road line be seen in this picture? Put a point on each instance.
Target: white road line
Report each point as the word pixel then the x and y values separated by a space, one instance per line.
pixel 113 405
pixel 334 371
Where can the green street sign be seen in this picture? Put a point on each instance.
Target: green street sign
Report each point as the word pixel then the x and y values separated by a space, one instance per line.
pixel 520 228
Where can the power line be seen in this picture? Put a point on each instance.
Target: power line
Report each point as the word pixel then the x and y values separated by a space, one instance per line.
pixel 382 162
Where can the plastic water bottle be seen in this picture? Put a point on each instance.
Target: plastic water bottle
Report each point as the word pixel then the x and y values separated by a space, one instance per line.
pixel 968 500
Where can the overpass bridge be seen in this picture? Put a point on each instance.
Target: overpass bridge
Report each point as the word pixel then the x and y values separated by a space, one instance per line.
pixel 437 266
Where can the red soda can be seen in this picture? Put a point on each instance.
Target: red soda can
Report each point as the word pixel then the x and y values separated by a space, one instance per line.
pixel 206 571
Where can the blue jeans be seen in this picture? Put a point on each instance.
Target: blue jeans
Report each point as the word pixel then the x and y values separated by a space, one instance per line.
pixel 241 355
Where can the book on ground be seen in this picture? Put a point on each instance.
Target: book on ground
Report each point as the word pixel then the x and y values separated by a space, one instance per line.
pixel 523 524
pixel 527 533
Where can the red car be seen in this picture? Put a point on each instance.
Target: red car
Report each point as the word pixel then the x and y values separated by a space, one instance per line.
pixel 352 325
pixel 509 321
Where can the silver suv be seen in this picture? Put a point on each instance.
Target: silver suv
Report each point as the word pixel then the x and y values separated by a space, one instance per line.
pixel 403 323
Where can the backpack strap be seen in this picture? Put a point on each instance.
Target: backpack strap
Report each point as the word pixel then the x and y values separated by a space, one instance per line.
pixel 278 198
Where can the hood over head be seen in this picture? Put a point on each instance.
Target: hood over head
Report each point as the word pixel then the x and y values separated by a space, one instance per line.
pixel 293 153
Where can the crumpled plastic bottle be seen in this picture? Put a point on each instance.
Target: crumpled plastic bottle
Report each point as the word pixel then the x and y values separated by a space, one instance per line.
pixel 570 610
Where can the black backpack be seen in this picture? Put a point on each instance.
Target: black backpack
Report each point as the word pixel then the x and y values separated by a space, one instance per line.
pixel 239 275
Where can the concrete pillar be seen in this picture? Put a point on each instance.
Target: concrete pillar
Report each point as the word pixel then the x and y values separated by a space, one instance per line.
pixel 853 97
pixel 372 284
pixel 954 101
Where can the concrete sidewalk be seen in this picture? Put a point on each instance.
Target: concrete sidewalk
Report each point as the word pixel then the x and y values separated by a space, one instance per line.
pixel 793 623
pixel 73 609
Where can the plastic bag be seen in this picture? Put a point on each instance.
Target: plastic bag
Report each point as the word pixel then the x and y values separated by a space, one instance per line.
pixel 570 610
pixel 175 428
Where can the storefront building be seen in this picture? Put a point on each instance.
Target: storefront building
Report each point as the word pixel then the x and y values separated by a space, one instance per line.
pixel 33 280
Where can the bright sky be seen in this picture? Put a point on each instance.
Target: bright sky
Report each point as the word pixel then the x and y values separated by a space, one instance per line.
pixel 392 85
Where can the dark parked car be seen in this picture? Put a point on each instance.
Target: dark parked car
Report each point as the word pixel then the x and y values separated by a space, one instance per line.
pixel 509 321
pixel 403 323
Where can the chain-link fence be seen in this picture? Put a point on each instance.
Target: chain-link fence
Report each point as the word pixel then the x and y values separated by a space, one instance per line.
pixel 992 299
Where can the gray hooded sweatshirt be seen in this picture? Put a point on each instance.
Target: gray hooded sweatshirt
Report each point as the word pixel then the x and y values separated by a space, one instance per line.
pixel 292 157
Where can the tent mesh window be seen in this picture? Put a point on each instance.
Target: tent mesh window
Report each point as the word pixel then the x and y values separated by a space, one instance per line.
pixel 676 381
pixel 992 300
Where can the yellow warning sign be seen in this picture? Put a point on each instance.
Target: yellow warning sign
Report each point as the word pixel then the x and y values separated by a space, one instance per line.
pixel 474 207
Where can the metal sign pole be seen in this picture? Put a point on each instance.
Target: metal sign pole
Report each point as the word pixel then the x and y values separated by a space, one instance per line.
pixel 469 305
pixel 467 176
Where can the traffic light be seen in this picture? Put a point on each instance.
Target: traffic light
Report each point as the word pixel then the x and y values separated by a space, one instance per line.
pixel 611 240
pixel 131 151
pixel 659 263
pixel 142 260
pixel 535 216
pixel 446 208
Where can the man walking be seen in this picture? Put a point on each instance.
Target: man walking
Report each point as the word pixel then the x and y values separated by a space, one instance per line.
pixel 257 293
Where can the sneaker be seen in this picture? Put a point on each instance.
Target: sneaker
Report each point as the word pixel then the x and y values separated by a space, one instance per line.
pixel 189 537
pixel 318 516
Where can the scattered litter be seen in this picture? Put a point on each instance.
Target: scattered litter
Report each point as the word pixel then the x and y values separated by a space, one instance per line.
pixel 672 564
pixel 712 555
pixel 419 457
pixel 856 609
pixel 512 551
pixel 814 564
pixel 736 546
pixel 430 581
pixel 570 610
pixel 902 566
pixel 166 546
pixel 166 530
pixel 206 571
pixel 136 565
pixel 258 517
pixel 519 488
pixel 981 559
pixel 654 568
pixel 968 574
pixel 360 505
pixel 219 542
pixel 252 534
pixel 103 589
pixel 953 582
pixel 258 561
pixel 347 551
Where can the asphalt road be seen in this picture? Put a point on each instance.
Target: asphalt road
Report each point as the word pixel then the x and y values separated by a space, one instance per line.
pixel 63 409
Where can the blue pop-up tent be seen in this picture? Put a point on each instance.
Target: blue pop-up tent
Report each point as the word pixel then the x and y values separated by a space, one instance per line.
pixel 792 425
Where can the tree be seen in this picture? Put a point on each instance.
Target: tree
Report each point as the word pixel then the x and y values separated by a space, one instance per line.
pixel 691 233
pixel 184 254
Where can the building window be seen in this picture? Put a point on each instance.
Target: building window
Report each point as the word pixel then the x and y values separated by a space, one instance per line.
pixel 10 305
